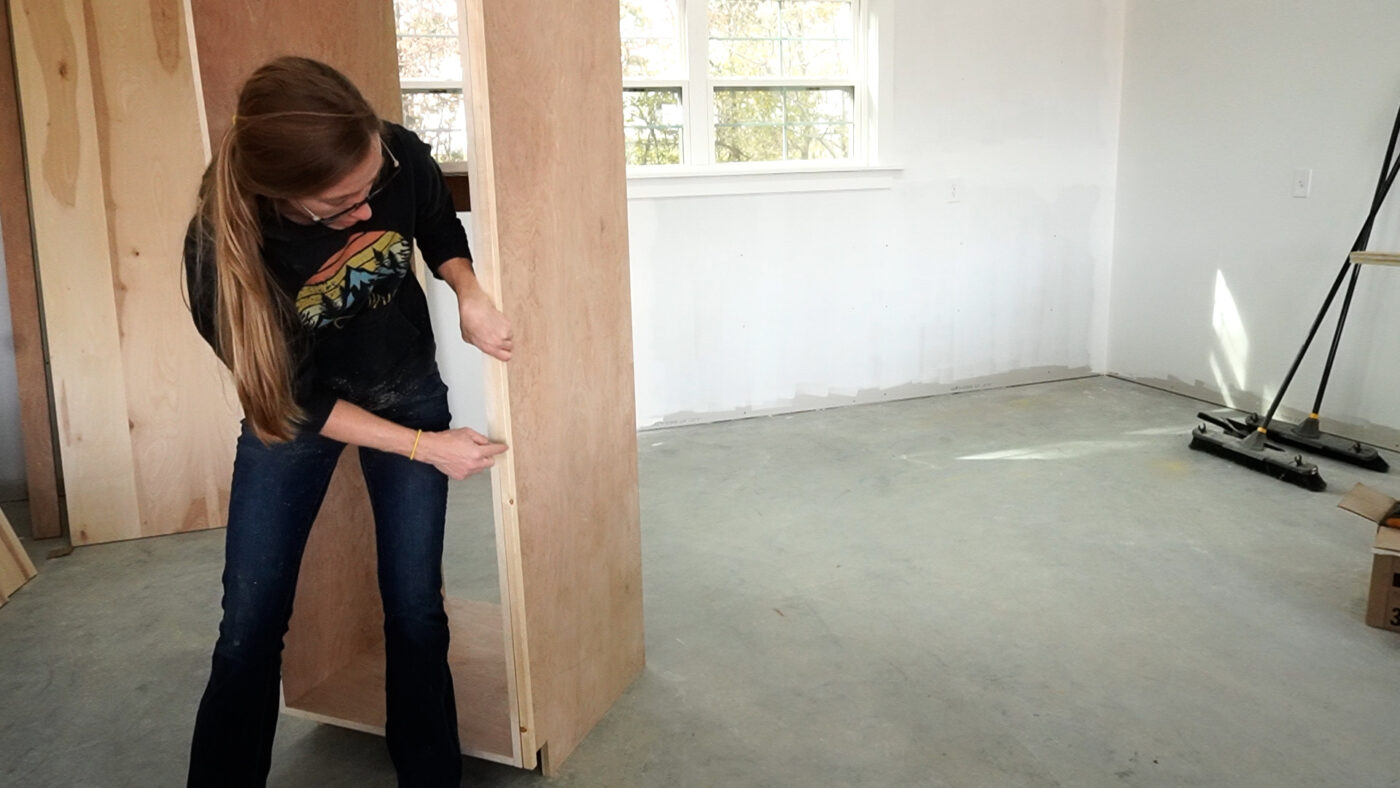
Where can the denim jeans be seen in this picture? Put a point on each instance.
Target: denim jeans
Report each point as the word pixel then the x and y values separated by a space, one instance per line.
pixel 274 498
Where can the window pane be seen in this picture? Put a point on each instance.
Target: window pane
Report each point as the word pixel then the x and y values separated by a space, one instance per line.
pixel 653 146
pixel 816 141
pixel 425 17
pixel 650 57
pixel 439 117
pixel 778 124
pixel 651 38
pixel 744 18
pixel 817 19
pixel 745 58
pixel 735 106
pixel 748 143
pixel 652 123
pixel 788 38
pixel 650 18
pixel 832 105
pixel 435 57
pixel 816 58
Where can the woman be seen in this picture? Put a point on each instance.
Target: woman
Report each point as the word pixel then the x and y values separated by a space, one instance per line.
pixel 298 266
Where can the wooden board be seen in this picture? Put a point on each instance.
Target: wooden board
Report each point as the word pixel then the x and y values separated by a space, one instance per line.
pixel 1376 258
pixel 15 567
pixel 353 696
pixel 182 428
pixel 63 155
pixel 146 427
pixel 237 36
pixel 36 421
pixel 549 207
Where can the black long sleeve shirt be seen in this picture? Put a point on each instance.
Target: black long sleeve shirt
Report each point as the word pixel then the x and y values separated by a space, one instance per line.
pixel 358 319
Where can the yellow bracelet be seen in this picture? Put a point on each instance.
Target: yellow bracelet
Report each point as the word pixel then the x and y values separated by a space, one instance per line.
pixel 414 453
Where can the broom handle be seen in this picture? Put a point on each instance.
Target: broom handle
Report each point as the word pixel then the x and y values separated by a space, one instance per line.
pixel 1362 238
pixel 1362 241
pixel 1336 341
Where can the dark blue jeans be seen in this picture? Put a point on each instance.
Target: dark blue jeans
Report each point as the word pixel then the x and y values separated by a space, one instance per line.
pixel 274 498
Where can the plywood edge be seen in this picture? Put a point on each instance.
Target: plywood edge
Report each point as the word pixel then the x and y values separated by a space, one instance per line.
pixel 480 168
pixel 36 415
pixel 1376 258
pixel 323 719
pixel 15 567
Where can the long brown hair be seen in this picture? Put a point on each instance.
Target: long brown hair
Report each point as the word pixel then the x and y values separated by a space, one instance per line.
pixel 300 127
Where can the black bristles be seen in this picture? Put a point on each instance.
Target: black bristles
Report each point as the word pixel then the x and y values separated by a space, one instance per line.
pixel 1280 466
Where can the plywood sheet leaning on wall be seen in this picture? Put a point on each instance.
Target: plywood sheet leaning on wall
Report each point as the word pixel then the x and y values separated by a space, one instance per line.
pixel 115 147
pixel 182 427
pixel 36 422
pixel 15 567
pixel 549 207
pixel 54 72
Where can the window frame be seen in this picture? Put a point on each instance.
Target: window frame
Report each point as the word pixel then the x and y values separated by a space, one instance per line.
pixel 697 96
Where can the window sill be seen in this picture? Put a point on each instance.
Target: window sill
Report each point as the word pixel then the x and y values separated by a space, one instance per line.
pixel 724 180
pixel 733 179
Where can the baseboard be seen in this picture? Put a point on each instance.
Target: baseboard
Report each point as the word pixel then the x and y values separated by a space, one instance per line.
pixel 806 403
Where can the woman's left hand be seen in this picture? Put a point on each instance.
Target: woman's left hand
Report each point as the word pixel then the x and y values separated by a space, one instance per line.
pixel 483 325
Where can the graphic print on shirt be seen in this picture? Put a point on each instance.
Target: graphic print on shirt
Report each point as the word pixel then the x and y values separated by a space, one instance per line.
pixel 364 274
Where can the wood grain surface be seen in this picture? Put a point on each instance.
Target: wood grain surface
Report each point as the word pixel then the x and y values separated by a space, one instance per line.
pixel 549 207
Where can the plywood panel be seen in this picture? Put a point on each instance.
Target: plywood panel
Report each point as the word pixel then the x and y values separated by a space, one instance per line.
pixel 549 193
pixel 237 36
pixel 337 614
pixel 15 567
pixel 36 423
pixel 353 696
pixel 183 424
pixel 63 155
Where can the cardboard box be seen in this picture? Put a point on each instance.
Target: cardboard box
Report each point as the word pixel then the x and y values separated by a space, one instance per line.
pixel 1383 604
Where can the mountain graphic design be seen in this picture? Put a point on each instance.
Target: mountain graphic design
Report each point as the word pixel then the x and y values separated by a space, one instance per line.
pixel 370 263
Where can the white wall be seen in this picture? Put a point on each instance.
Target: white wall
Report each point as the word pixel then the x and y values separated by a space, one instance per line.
pixel 762 302
pixel 1217 268
pixel 756 303
pixel 12 476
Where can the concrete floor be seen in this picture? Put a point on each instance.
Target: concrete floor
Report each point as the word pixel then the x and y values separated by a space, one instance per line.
pixel 852 597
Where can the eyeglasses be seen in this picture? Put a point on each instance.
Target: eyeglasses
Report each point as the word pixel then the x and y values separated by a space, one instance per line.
pixel 386 174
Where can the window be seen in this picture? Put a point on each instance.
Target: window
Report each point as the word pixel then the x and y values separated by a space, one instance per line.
pixel 430 75
pixel 705 82
pixel 729 81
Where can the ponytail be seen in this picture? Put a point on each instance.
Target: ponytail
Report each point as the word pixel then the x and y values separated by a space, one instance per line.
pixel 250 331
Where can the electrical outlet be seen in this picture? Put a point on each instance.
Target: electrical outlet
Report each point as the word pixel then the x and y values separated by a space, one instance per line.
pixel 1302 182
pixel 955 190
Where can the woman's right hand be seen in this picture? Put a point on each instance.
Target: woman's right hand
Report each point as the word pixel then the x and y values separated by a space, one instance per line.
pixel 458 453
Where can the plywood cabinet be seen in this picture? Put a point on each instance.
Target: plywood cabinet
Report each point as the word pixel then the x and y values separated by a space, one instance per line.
pixel 549 216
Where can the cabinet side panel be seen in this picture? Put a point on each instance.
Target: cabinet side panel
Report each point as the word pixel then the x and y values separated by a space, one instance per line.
pixel 559 190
